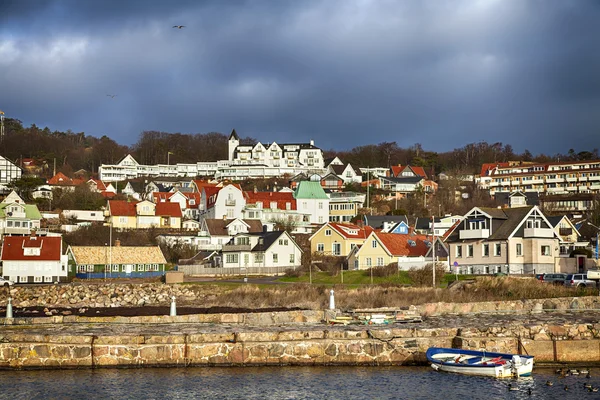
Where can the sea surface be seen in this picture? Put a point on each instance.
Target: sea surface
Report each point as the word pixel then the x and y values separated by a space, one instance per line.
pixel 285 383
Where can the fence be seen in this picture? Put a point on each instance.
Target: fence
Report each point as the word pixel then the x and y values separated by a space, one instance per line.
pixel 194 270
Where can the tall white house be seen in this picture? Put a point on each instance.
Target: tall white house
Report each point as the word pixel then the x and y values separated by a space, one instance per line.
pixel 311 199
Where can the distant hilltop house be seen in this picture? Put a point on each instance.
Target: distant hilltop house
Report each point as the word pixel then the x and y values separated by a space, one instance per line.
pixel 244 161
pixel 9 172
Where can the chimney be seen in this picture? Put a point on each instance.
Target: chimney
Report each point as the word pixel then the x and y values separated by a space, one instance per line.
pixel 117 243
pixel 312 142
pixel 255 189
pixel 224 217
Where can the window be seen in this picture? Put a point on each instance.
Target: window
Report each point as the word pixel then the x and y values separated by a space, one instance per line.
pixel 246 259
pixel 374 244
pixel 81 268
pixel 519 249
pixel 292 259
pixel 47 279
pixel 487 269
pixel 327 232
pixel 115 267
pixel 273 205
pixel 90 268
pixel 486 250
pixel 140 267
pixel 122 220
pixel 37 279
pixel 545 250
pixel 320 205
pixel 258 258
pixel 498 249
pixel 336 249
pixel 368 261
pixel 458 251
pixel 470 250
pixel 320 219
pixel 320 247
pixel 380 261
pixel 275 258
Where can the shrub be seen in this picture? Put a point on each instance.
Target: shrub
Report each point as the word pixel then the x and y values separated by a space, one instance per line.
pixel 424 276
pixel 387 270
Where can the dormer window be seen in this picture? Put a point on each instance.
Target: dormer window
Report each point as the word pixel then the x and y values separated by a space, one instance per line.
pixel 259 204
pixel 534 223
pixel 31 251
pixel 192 202
pixel 273 205
pixel 476 224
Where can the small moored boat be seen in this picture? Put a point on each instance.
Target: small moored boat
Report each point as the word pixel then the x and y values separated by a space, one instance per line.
pixel 474 362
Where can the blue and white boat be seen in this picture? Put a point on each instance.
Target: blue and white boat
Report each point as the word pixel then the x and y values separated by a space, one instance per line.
pixel 474 362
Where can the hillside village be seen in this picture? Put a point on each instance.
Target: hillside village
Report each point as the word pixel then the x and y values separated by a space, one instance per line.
pixel 275 207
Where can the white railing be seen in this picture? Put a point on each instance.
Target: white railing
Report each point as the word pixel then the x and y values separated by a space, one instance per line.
pixel 474 234
pixel 200 270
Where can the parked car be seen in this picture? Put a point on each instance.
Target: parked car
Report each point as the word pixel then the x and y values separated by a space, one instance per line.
pixel 6 282
pixel 556 279
pixel 539 276
pixel 579 281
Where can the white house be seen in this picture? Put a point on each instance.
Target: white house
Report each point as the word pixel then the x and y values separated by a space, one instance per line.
pixel 222 202
pixel 33 259
pixel 276 250
pixel 9 172
pixel 311 199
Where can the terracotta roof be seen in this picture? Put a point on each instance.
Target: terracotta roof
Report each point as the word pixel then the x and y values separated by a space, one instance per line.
pixel 343 229
pixel 282 198
pixel 170 209
pixel 122 208
pixel 108 195
pixel 99 184
pixel 60 179
pixel 396 169
pixel 210 199
pixel 399 245
pixel 50 248
pixel 200 184
pixel 485 168
pixel 192 196
pixel 100 255
pixel 218 227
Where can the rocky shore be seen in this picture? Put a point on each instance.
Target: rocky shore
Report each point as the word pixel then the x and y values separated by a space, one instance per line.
pixel 565 330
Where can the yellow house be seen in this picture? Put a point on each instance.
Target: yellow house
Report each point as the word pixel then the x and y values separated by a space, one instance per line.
pixel 144 214
pixel 338 239
pixel 380 249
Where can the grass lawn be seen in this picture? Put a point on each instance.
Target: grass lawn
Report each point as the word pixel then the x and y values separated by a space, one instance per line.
pixel 364 278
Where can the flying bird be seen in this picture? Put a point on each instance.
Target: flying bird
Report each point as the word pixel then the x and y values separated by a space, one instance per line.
pixel 112 96
pixel 178 26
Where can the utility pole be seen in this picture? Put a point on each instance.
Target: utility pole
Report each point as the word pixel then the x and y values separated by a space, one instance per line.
pixel 1 126
pixel 433 247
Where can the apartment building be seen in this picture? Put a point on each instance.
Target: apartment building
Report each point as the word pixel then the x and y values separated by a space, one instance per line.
pixel 569 177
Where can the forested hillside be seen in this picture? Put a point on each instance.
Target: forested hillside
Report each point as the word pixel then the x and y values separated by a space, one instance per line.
pixel 73 151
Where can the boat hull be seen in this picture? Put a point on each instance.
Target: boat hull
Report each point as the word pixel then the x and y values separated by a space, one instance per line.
pixel 472 362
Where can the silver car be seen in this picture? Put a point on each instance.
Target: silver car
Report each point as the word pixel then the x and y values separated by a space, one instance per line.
pixel 579 281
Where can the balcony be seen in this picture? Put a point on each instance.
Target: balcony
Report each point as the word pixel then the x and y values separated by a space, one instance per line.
pixel 237 247
pixel 230 202
pixel 572 179
pixel 492 183
pixel 515 182
pixel 565 231
pixel 474 234
pixel 554 180
pixel 538 232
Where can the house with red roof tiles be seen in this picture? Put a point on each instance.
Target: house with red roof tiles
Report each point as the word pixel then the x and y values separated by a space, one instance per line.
pixel 380 249
pixel 222 202
pixel 338 239
pixel 123 214
pixel 33 259
pixel 188 201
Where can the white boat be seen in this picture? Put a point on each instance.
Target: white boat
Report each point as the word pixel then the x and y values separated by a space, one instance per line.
pixel 474 362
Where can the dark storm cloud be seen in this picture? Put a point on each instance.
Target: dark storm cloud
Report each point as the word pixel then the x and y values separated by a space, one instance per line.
pixel 344 73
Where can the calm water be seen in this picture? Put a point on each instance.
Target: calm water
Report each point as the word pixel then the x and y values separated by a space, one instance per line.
pixel 283 383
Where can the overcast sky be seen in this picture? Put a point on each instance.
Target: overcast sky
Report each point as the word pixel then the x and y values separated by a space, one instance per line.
pixel 344 73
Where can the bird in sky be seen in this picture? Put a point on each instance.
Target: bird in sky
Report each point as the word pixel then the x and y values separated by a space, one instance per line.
pixel 112 96
pixel 178 26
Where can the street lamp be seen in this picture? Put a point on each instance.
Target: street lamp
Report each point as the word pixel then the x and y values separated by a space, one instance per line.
pixel 169 156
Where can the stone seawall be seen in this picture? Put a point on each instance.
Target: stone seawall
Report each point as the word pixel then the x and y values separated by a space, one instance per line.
pixel 289 339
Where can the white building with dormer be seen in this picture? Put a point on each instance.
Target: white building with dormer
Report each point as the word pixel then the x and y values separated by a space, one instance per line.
pixel 244 161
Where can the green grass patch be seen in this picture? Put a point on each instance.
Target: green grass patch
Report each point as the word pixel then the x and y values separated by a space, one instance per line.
pixel 349 278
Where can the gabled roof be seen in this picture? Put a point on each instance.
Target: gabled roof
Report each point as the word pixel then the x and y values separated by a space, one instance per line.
pixel 268 238
pixel 199 184
pixel 376 221
pixel 168 209
pixel 348 230
pixel 100 255
pixel 61 179
pixel 234 135
pixel 50 248
pixel 282 199
pixel 99 184
pixel 31 210
pixel 122 208
pixel 218 227
pixel 400 245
